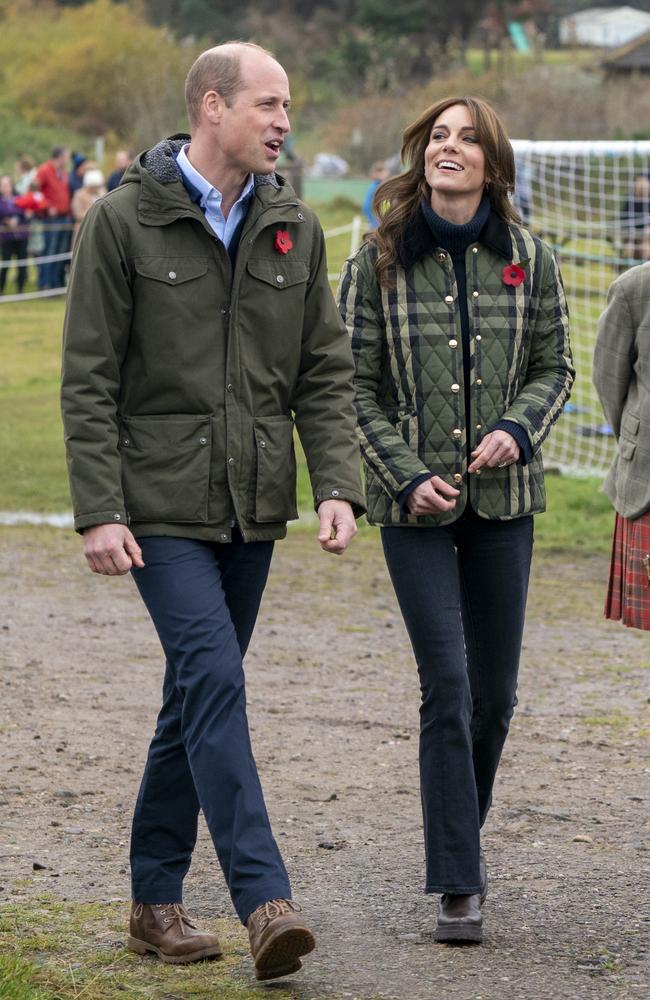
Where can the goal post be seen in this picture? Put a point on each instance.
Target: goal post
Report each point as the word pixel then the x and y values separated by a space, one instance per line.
pixel 590 200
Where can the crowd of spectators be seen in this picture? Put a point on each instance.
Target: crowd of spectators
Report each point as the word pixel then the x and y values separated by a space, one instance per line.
pixel 41 209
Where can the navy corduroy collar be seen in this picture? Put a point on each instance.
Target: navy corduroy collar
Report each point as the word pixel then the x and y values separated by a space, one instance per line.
pixel 417 242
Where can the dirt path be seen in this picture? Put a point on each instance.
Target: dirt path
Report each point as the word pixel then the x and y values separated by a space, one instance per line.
pixel 333 704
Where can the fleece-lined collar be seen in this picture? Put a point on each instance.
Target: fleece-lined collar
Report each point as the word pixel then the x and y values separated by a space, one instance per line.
pixel 161 163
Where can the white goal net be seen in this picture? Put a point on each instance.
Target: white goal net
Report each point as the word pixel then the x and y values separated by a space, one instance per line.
pixel 591 202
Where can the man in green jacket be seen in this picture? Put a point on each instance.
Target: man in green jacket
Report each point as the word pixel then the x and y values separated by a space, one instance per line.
pixel 200 325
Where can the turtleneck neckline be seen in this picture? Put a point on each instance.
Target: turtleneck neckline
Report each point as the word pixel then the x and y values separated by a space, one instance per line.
pixel 451 237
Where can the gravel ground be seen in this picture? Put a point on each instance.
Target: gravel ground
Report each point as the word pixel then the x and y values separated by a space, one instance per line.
pixel 333 705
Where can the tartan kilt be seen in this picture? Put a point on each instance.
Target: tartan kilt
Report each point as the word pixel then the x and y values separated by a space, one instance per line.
pixel 628 593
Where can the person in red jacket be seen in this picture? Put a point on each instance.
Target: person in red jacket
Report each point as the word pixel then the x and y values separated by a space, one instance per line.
pixel 52 178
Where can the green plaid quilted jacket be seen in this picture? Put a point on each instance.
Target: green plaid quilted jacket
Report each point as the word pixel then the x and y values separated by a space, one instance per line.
pixel 407 346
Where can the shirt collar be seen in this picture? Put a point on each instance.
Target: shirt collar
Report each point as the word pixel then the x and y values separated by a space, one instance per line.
pixel 199 188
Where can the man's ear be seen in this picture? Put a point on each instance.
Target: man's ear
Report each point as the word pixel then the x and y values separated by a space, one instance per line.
pixel 213 105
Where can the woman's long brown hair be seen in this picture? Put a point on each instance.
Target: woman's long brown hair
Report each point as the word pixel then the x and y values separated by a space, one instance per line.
pixel 397 200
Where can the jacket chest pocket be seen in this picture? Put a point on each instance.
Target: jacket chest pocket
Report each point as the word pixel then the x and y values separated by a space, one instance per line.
pixel 274 297
pixel 280 274
pixel 172 279
pixel 271 311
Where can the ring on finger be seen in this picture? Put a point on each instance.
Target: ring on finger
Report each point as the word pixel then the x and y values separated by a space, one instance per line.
pixel 502 465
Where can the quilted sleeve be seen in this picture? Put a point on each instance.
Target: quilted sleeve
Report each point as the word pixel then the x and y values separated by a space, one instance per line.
pixel 549 373
pixel 384 450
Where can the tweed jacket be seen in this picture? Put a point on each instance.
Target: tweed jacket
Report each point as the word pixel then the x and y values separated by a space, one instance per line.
pixel 410 393
pixel 621 374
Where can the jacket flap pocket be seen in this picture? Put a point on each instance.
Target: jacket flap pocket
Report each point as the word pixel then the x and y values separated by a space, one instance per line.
pixel 166 467
pixel 279 273
pixel 626 449
pixel 630 425
pixel 275 493
pixel 171 270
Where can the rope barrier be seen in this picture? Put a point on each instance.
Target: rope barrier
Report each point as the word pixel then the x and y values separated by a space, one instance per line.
pixel 354 228
pixel 36 260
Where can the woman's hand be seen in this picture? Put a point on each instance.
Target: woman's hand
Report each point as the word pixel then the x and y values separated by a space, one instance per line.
pixel 498 448
pixel 432 497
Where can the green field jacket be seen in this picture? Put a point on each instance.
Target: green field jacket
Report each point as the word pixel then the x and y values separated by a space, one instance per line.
pixel 182 379
pixel 410 392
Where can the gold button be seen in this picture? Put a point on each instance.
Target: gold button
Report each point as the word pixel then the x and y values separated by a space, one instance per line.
pixel 449 299
pixel 456 432
pixel 442 256
pixel 477 472
pixel 479 381
pixel 455 387
pixel 458 478
pixel 475 295
pixel 453 343
pixel 479 427
pixel 474 249
pixel 478 336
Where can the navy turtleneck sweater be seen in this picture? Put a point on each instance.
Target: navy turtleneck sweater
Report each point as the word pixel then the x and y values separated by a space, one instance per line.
pixel 455 240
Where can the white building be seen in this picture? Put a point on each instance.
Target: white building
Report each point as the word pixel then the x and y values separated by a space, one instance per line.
pixel 607 27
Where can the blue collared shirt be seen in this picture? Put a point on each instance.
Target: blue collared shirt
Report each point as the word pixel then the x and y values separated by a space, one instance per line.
pixel 209 199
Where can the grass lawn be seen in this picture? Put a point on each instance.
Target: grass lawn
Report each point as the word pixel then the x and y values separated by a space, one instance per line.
pixel 53 950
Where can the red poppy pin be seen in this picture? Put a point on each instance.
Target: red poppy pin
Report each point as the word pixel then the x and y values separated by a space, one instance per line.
pixel 514 274
pixel 283 242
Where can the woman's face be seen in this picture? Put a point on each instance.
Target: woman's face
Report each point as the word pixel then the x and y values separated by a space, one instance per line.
pixel 454 163
pixel 6 187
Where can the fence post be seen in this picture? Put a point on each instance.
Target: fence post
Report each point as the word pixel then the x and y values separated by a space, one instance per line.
pixel 355 237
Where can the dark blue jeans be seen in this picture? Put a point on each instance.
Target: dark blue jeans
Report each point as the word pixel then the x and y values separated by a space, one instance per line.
pixel 462 591
pixel 203 600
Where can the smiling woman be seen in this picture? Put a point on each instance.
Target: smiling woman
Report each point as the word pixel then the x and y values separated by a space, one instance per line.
pixel 459 330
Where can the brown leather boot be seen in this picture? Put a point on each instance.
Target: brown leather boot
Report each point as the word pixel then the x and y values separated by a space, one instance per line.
pixel 459 919
pixel 168 930
pixel 278 938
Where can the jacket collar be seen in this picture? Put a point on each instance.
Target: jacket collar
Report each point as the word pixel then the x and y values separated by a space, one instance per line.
pixel 417 240
pixel 163 196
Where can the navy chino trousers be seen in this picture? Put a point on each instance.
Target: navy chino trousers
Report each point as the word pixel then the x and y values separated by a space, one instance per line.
pixel 462 590
pixel 203 599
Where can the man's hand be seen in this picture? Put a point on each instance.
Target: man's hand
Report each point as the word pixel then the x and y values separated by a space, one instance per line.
pixel 432 497
pixel 337 525
pixel 111 549
pixel 498 448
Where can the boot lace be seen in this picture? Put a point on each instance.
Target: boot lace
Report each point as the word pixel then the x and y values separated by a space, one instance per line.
pixel 171 913
pixel 273 908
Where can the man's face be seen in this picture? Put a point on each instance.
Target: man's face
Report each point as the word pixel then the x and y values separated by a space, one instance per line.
pixel 251 131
